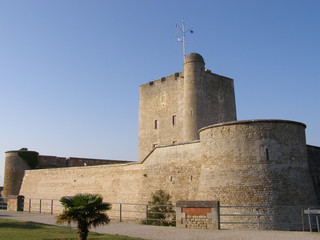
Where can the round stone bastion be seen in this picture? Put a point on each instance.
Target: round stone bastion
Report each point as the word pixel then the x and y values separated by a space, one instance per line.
pixel 15 167
pixel 258 163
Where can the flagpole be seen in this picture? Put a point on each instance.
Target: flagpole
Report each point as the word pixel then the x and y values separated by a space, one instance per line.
pixel 183 40
pixel 183 37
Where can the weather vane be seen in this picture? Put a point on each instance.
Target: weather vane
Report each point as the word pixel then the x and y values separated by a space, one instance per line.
pixel 183 33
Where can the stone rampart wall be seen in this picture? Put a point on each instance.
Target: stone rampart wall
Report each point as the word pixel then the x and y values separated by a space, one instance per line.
pixel 253 163
pixel 116 183
pixel 170 168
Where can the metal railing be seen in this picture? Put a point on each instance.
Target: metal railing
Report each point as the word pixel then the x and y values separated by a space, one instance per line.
pixel 313 212
pixel 264 217
pixel 246 217
pixel 51 206
pixel 142 212
pixel 119 211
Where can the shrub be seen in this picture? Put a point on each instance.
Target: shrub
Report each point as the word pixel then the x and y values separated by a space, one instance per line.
pixel 161 211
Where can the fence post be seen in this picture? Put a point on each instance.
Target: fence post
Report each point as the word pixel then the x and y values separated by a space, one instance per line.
pixel 302 219
pixel 40 206
pixel 147 214
pixel 120 212
pixel 309 222
pixel 51 206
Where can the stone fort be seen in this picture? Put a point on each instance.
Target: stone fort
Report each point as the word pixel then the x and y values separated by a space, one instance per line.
pixel 190 145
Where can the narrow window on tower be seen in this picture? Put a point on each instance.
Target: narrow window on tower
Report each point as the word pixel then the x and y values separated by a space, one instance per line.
pixel 155 124
pixel 174 120
pixel 267 153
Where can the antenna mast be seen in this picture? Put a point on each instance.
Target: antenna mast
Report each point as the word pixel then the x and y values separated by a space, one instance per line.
pixel 183 37
pixel 183 40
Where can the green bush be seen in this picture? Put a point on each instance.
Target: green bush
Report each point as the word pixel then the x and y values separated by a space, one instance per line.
pixel 161 211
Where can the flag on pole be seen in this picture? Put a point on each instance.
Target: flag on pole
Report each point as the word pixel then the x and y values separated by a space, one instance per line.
pixel 179 39
pixel 177 26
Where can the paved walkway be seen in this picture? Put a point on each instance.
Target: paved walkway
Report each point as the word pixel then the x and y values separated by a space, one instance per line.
pixel 170 233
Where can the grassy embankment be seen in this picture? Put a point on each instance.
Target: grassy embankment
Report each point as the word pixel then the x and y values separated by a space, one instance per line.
pixel 15 230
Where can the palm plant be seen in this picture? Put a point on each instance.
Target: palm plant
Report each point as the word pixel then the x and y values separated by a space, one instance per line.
pixel 86 210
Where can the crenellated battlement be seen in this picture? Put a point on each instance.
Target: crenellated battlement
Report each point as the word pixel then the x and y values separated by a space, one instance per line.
pixel 162 80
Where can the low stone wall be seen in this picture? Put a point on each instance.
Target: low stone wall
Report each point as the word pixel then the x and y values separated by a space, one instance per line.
pixel 15 203
pixel 198 214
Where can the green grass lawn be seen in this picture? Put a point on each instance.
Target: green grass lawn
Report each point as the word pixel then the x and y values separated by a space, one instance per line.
pixel 15 230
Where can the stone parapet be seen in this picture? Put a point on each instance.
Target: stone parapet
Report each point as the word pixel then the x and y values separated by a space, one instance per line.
pixel 198 214
pixel 15 203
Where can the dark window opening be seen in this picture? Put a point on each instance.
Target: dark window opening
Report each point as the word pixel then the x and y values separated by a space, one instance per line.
pixel 267 154
pixel 155 124
pixel 174 120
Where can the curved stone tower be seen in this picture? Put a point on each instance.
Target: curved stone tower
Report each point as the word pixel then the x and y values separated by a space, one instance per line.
pixel 258 163
pixel 16 162
pixel 193 76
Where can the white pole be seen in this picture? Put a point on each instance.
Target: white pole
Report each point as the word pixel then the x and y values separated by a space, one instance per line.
pixel 183 40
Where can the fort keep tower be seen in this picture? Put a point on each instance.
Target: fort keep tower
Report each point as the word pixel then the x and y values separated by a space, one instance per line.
pixel 173 109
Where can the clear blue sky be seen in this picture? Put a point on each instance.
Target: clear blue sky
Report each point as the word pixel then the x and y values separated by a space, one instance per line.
pixel 70 70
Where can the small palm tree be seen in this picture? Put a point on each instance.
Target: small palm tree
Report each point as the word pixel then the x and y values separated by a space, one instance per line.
pixel 86 210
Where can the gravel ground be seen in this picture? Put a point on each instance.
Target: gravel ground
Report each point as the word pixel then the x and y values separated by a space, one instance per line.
pixel 170 233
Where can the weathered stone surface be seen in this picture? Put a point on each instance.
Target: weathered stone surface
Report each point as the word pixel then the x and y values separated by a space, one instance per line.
pixel 13 173
pixel 229 163
pixel 197 98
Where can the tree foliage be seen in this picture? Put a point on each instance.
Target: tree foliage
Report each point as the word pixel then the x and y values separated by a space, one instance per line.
pixel 86 210
pixel 161 211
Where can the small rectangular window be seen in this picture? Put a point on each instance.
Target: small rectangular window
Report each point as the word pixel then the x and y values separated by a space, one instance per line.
pixel 174 120
pixel 155 124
